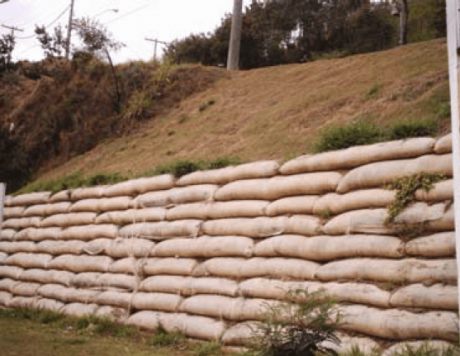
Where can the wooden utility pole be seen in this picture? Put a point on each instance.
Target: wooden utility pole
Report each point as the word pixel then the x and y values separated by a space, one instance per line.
pixel 12 28
pixel 235 36
pixel 453 44
pixel 69 31
pixel 155 48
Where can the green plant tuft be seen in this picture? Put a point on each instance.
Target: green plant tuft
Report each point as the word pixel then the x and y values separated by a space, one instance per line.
pixel 405 190
pixel 178 168
pixel 413 128
pixel 222 162
pixel 209 348
pixel 428 350
pixel 163 338
pixel 343 136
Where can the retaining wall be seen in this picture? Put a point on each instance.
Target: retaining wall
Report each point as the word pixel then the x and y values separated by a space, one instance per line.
pixel 205 253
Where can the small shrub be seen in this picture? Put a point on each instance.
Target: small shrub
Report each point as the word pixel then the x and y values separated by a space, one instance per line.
pixel 210 348
pixel 222 162
pixel 413 128
pixel 104 178
pixel 326 214
pixel 162 339
pixel 300 325
pixel 343 136
pixel 373 90
pixel 179 168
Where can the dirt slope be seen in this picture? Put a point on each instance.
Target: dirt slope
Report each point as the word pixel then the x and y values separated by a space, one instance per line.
pixel 277 112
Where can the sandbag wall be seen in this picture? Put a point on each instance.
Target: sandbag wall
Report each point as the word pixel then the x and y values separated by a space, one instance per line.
pixel 205 253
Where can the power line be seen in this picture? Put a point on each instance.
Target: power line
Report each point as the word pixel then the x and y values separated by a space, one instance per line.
pixel 51 23
pixel 129 13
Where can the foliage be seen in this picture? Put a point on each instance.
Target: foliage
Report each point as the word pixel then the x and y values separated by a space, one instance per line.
pixel 405 190
pixel 355 133
pixel 7 44
pixel 162 338
pixel 52 45
pixel 413 128
pixel 72 181
pixel 210 348
pixel 300 325
pixel 428 350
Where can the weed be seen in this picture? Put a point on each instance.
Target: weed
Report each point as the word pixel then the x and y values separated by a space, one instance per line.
pixel 222 162
pixel 393 283
pixel 343 136
pixel 178 168
pixel 427 350
pixel 356 351
pixel 326 214
pixel 162 338
pixel 413 128
pixel 137 105
pixel 373 90
pixel 407 231
pixel 205 105
pixel 210 348
pixel 300 325
pixel 406 188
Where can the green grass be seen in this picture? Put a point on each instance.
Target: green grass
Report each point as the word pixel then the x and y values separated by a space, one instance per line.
pixel 162 339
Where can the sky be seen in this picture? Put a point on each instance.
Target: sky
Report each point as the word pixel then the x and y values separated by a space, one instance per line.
pixel 129 21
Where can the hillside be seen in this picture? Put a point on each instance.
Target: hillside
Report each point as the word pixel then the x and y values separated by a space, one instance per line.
pixel 278 112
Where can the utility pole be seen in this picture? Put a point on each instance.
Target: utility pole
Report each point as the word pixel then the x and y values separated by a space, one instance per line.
pixel 155 48
pixel 69 30
pixel 12 28
pixel 235 36
pixel 453 43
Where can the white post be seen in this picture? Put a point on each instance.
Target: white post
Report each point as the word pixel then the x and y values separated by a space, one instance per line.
pixel 453 20
pixel 2 201
pixel 235 36
pixel 69 31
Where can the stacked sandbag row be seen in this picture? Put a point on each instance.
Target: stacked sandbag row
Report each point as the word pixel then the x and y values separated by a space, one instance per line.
pixel 206 253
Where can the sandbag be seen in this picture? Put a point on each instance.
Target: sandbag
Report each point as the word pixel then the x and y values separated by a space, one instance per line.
pixel 361 199
pixel 220 286
pixel 170 266
pixel 29 260
pixel 79 309
pixel 273 288
pixel 113 204
pixel 87 280
pixel 257 267
pixel 292 205
pixel 3 257
pixel 166 284
pixel 421 213
pixel 90 232
pixel 49 304
pixel 326 248
pixel 278 187
pixel 116 280
pixel 12 272
pixel 437 296
pixel 257 227
pixel 7 284
pixel 96 247
pixel 25 289
pixel 55 291
pixel 132 216
pixel 7 234
pixel 121 248
pixel 122 300
pixel 47 209
pixel 22 302
pixel 399 324
pixel 21 223
pixel 251 170
pixel 48 276
pixel 444 144
pixel 141 185
pixel 162 230
pixel 359 155
pixel 128 265
pixel 408 270
pixel 437 245
pixel 5 299
pixel 72 247
pixel 63 195
pixel 33 234
pixel 30 199
pixel 72 219
pixel 112 313
pixel 87 193
pixel 205 246
pixel 445 223
pixel 85 205
pixel 365 345
pixel 85 296
pixel 367 221
pixel 443 190
pixel 218 210
pixel 401 347
pixel 13 212
pixel 183 195
pixel 376 174
pixel 157 301
pixel 241 334
pixel 303 225
pixel 81 263
pixel 145 319
pixel 10 247
pixel 225 307
pixel 193 326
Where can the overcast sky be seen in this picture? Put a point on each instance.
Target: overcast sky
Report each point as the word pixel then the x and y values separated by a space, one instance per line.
pixel 135 20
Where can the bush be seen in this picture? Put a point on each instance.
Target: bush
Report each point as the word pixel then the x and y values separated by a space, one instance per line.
pixel 179 168
pixel 300 325
pixel 343 136
pixel 413 128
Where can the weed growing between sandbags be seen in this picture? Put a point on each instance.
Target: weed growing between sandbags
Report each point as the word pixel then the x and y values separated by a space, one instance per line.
pixel 304 324
pixel 406 188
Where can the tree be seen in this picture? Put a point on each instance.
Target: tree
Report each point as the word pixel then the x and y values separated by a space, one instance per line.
pixel 7 43
pixel 51 45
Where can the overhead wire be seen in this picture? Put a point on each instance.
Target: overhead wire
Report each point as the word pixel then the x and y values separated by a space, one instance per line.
pixel 50 24
pixel 127 14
